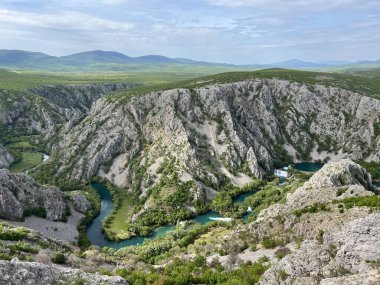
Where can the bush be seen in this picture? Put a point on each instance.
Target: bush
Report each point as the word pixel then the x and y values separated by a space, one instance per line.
pixel 39 212
pixel 320 236
pixel 59 258
pixel 271 243
pixel 105 271
pixel 283 275
pixel 315 208
pixel 364 201
pixel 22 246
pixel 12 234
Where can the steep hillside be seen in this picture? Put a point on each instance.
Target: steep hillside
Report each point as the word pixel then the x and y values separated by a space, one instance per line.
pixel 183 144
pixel 44 107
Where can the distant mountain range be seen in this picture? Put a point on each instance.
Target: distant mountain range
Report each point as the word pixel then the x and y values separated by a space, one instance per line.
pixel 110 60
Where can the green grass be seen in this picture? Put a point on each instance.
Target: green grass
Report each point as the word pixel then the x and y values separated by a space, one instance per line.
pixel 28 160
pixel 362 84
pixel 21 80
pixel 120 222
pixel 365 201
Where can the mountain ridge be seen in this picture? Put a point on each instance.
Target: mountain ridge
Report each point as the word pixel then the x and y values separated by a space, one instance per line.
pixel 36 60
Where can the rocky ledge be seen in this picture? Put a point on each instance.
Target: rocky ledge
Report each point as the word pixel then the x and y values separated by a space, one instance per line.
pixel 16 272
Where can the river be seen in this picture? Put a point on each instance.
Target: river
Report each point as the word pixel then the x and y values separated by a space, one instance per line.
pixel 97 237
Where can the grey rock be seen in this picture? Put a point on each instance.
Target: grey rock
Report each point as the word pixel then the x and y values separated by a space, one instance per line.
pixel 6 159
pixel 340 174
pixel 80 202
pixel 20 193
pixel 254 117
pixel 40 109
pixel 344 253
pixel 18 273
pixel 322 187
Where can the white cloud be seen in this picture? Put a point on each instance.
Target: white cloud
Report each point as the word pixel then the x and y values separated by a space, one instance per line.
pixel 64 20
pixel 310 5
pixel 113 2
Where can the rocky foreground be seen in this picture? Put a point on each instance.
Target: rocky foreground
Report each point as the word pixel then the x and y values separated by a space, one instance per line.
pixel 15 272
pixel 324 239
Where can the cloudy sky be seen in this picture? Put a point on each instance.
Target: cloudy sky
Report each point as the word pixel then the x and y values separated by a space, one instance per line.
pixel 232 31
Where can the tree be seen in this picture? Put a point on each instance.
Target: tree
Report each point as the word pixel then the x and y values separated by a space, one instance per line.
pixel 222 202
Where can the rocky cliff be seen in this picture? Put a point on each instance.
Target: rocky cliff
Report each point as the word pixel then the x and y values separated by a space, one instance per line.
pixel 6 158
pixel 77 97
pixel 218 133
pixel 41 108
pixel 20 195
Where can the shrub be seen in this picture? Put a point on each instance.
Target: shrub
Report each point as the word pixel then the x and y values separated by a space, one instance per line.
pixel 320 236
pixel 271 243
pixel 39 212
pixel 13 234
pixel 59 258
pixel 366 201
pixel 283 275
pixel 105 271
pixel 315 208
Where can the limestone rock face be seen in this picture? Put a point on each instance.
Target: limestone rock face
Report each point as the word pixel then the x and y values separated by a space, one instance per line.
pixel 20 193
pixel 42 108
pixel 18 273
pixel 245 125
pixel 80 202
pixel 347 251
pixel 77 97
pixel 6 158
pixel 340 174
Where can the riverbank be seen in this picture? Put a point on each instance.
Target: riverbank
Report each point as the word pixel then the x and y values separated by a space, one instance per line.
pixel 242 199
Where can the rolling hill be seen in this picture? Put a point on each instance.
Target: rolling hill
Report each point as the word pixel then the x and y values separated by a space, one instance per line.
pixel 98 60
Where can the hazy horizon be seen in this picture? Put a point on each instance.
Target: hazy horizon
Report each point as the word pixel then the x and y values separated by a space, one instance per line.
pixel 222 31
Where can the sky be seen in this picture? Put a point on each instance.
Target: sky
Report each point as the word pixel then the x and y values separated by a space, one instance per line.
pixel 225 31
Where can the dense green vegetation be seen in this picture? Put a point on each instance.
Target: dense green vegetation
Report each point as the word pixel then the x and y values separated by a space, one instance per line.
pixel 39 212
pixel 196 271
pixel 21 80
pixel 94 199
pixel 59 258
pixel 268 195
pixel 372 167
pixel 363 201
pixel 152 251
pixel 315 208
pixel 15 234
